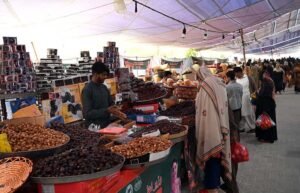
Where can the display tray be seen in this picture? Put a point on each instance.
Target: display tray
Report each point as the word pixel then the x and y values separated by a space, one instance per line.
pixel 145 164
pixel 77 178
pixel 36 153
pixel 179 135
pixel 147 159
pixel 178 140
pixel 152 100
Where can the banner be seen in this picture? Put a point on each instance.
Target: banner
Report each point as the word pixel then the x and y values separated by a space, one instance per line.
pixel 172 64
pixel 136 64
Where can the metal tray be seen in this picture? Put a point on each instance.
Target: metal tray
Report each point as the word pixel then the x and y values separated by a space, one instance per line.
pixel 152 100
pixel 178 140
pixel 36 153
pixel 77 178
pixel 145 160
pixel 145 164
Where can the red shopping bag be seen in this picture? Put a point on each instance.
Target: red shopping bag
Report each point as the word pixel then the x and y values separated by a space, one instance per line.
pixel 264 121
pixel 239 153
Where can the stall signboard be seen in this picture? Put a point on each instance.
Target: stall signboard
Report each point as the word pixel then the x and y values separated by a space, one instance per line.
pixel 81 87
pixel 163 177
pixel 172 64
pixel 90 186
pixel 71 107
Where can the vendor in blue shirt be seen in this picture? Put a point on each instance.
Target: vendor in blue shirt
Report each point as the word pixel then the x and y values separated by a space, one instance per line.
pixel 96 98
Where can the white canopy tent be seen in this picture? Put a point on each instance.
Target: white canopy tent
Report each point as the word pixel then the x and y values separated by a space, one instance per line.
pixel 74 25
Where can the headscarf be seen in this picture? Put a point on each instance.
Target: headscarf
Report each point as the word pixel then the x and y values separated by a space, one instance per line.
pixel 267 86
pixel 212 122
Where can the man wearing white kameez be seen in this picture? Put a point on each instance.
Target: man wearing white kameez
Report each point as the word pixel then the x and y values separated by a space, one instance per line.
pixel 248 115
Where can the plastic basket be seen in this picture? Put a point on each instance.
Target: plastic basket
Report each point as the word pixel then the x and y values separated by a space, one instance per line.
pixel 14 172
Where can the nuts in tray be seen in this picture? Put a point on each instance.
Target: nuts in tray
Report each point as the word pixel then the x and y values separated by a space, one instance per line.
pixel 184 108
pixel 77 161
pixel 80 136
pixel 164 126
pixel 142 146
pixel 30 137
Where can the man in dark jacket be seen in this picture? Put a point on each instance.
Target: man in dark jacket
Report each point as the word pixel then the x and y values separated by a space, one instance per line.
pixel 96 98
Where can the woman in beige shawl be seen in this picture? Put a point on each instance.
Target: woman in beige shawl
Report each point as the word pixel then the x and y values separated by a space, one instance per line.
pixel 212 130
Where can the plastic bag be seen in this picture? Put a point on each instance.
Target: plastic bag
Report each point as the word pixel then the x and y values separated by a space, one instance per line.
pixel 264 121
pixel 4 144
pixel 239 153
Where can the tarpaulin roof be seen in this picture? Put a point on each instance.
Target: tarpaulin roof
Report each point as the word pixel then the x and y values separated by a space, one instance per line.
pixel 77 19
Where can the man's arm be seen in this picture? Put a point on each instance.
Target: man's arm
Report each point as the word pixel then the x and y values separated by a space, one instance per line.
pixel 88 110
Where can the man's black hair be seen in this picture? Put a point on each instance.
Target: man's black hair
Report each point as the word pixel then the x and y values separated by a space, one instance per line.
pixel 167 73
pixel 231 74
pixel 99 67
pixel 238 69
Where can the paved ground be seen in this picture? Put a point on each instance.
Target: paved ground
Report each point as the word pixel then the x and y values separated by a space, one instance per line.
pixel 275 168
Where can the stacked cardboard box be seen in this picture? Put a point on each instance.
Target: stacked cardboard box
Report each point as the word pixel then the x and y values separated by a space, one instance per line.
pixel 49 70
pixel 111 56
pixel 84 66
pixel 16 69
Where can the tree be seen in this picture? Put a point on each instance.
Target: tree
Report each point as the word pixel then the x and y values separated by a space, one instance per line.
pixel 191 52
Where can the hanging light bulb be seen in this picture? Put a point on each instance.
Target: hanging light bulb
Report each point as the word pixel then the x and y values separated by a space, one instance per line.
pixel 135 8
pixel 205 35
pixel 183 31
pixel 223 36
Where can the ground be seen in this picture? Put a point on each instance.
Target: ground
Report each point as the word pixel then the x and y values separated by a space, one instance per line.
pixel 274 168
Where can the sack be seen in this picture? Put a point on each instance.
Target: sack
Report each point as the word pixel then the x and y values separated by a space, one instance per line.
pixel 239 153
pixel 264 121
pixel 4 144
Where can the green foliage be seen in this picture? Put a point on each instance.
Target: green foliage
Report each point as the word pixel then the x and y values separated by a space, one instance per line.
pixel 191 52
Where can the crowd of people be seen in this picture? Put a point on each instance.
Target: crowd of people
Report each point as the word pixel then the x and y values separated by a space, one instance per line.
pixel 230 103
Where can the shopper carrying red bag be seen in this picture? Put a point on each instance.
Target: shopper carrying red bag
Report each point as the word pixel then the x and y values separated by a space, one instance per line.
pixel 264 121
pixel 266 104
pixel 239 153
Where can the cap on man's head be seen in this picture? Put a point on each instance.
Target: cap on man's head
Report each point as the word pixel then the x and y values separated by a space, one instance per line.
pixel 99 67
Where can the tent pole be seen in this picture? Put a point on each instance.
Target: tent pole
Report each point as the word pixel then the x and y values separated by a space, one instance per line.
pixel 243 44
pixel 36 56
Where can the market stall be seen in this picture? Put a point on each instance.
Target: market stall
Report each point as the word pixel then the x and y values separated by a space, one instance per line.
pixel 140 150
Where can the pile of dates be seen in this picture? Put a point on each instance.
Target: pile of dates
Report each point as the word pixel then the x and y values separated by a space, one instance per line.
pixel 147 90
pixel 77 161
pixel 184 108
pixel 80 136
pixel 30 137
pixel 142 146
pixel 164 126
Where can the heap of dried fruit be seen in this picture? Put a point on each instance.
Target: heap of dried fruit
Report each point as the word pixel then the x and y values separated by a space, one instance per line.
pixel 29 137
pixel 80 136
pixel 142 146
pixel 164 126
pixel 77 161
pixel 144 88
pixel 182 109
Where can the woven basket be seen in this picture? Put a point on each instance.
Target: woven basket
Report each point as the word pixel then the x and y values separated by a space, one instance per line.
pixel 14 172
